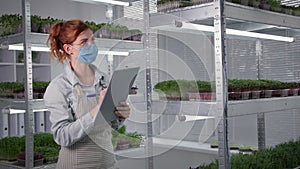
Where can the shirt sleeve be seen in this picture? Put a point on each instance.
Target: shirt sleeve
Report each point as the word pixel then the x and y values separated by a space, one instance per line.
pixel 66 130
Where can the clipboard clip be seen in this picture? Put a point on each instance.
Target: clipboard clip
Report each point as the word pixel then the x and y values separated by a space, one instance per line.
pixel 102 83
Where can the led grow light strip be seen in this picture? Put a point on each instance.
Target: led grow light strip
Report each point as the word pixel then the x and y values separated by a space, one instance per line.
pixel 17 111
pixel 205 28
pixel 114 53
pixel 46 49
pixel 33 48
pixel 113 2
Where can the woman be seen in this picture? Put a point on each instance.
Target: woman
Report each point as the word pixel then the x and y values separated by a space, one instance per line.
pixel 74 97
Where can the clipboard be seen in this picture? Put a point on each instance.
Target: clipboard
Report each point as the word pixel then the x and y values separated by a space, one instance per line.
pixel 117 91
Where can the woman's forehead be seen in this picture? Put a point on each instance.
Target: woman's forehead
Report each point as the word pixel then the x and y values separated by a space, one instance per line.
pixel 85 34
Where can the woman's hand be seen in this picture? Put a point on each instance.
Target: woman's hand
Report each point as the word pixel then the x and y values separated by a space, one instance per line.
pixel 101 97
pixel 95 110
pixel 123 110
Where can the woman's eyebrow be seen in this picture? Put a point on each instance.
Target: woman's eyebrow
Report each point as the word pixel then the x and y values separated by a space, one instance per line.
pixel 84 39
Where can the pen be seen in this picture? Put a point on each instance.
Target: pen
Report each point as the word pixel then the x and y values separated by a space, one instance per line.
pixel 91 95
pixel 102 84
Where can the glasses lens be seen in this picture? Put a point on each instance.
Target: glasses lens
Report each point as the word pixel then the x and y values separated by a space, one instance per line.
pixel 90 41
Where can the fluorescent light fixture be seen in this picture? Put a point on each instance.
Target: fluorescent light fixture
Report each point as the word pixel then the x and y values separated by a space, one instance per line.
pixel 33 48
pixel 17 111
pixel 113 2
pixel 113 53
pixel 187 118
pixel 46 49
pixel 205 28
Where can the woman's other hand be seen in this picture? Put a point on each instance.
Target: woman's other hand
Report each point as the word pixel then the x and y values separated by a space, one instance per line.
pixel 123 110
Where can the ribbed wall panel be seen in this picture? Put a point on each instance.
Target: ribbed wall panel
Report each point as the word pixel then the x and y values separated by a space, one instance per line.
pixel 241 59
pixel 281 60
pixel 195 51
pixel 135 11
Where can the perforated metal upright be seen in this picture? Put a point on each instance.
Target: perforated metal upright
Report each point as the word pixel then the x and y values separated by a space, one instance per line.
pixel 146 46
pixel 221 83
pixel 261 136
pixel 29 116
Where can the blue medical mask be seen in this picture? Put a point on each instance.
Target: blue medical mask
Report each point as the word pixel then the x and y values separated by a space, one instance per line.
pixel 88 54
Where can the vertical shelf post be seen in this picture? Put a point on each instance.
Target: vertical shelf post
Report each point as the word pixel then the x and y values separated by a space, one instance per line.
pixel 258 52
pixel 221 84
pixel 29 117
pixel 146 45
pixel 261 136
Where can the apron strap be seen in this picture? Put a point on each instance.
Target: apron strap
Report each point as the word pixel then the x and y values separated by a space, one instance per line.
pixel 79 90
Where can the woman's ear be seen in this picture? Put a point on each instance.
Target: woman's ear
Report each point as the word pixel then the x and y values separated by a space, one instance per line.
pixel 68 49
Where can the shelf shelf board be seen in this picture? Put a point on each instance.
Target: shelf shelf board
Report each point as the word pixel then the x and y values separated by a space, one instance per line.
pixel 235 108
pixel 103 44
pixel 20 104
pixel 6 64
pixel 205 12
pixel 35 64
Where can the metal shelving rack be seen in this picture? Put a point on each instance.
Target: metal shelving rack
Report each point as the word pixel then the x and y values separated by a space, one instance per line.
pixel 103 44
pixel 206 12
pixel 216 14
pixel 29 39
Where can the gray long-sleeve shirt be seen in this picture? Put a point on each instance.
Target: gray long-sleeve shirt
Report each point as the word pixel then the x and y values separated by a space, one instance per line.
pixel 60 100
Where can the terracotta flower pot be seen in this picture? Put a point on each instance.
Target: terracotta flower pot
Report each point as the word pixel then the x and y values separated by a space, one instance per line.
pixel 234 95
pixel 293 92
pixel 38 159
pixel 245 95
pixel 255 94
pixel 266 93
pixel 123 145
pixel 280 93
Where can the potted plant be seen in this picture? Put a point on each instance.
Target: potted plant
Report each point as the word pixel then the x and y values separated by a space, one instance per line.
pixel 254 88
pixel 296 11
pixel 238 89
pixel 6 90
pixel 18 90
pixel 294 88
pixel 287 10
pixel 50 154
pixel 164 5
pixel 46 23
pixel 93 25
pixel 39 88
pixel 10 147
pixel 254 3
pixel 266 88
pixel 35 23
pixel 10 24
pixel 248 149
pixel 280 89
pixel 276 6
pixel 136 35
pixel 125 33
pixel 202 91
pixel 38 159
pixel 206 90
pixel 123 144
pixel 34 56
pixel 116 32
pixel 105 32
pixel 134 139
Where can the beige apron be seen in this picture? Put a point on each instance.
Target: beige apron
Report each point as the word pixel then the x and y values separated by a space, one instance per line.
pixel 94 151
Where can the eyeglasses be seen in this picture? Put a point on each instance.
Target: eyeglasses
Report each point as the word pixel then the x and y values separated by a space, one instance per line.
pixel 86 42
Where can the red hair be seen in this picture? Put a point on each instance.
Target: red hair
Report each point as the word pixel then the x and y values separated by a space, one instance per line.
pixel 64 33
